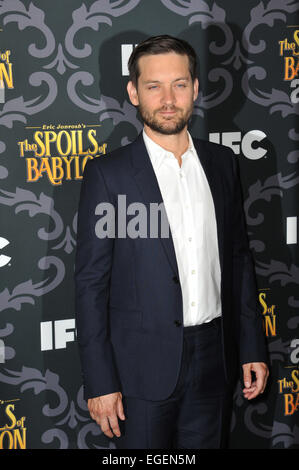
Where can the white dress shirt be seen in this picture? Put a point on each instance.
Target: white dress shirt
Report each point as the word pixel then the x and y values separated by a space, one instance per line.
pixel 190 211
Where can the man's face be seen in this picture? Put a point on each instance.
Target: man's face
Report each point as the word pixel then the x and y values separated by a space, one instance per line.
pixel 165 92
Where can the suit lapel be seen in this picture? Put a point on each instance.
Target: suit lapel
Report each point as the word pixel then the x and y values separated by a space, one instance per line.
pixel 213 175
pixel 147 183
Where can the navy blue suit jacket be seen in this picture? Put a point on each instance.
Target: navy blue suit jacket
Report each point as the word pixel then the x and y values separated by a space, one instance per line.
pixel 128 295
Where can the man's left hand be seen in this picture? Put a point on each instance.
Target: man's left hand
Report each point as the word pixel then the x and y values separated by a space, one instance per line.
pixel 253 387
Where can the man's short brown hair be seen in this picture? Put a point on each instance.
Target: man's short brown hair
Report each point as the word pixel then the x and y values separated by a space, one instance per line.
pixel 162 44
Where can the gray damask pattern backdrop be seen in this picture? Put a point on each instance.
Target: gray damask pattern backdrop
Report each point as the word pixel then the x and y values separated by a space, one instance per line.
pixel 62 93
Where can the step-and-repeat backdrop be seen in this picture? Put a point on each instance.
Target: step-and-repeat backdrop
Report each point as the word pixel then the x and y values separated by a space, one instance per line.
pixel 63 75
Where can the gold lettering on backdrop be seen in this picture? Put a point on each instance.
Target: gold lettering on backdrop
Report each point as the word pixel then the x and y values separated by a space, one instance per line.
pixel 289 50
pixel 6 75
pixel 57 152
pixel 13 433
pixel 291 398
pixel 269 316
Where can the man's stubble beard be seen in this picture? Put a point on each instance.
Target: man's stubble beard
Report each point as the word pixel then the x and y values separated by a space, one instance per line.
pixel 163 126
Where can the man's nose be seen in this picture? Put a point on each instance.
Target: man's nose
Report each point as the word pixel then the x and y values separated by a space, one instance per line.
pixel 168 96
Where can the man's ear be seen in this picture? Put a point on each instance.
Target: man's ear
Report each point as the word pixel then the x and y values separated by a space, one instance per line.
pixel 195 89
pixel 133 94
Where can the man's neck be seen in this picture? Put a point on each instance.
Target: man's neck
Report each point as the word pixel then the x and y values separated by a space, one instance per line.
pixel 175 143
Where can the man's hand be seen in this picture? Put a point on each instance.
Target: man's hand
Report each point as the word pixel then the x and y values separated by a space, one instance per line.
pixel 105 410
pixel 254 387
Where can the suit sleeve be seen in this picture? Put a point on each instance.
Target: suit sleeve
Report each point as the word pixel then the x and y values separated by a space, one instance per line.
pixel 251 338
pixel 92 280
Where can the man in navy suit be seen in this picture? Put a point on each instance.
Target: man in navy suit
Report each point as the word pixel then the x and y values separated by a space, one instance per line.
pixel 164 316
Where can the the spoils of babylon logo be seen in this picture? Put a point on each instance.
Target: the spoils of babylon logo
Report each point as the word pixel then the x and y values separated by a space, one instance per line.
pixel 12 427
pixel 269 312
pixel 289 388
pixel 288 385
pixel 6 74
pixel 58 151
pixel 289 50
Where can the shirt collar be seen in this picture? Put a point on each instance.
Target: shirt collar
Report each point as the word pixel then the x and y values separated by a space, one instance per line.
pixel 157 153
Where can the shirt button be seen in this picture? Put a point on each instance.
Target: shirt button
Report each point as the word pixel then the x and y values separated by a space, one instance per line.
pixel 193 271
pixel 190 239
pixel 192 304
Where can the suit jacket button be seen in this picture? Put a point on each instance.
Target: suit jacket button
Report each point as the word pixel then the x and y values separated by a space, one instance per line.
pixel 175 279
pixel 177 323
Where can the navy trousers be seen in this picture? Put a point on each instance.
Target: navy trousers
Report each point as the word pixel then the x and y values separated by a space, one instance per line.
pixel 196 415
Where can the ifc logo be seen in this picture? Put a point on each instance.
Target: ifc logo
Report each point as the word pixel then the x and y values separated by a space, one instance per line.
pixel 4 259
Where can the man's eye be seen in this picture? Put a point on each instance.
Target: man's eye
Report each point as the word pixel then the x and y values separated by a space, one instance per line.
pixel 181 85
pixel 152 87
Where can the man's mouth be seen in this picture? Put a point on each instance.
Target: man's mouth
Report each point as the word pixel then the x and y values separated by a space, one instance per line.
pixel 168 112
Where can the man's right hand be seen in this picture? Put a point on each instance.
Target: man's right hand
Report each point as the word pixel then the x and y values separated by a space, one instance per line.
pixel 105 410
